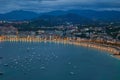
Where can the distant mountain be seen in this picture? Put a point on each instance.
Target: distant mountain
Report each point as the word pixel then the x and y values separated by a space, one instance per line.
pixel 99 16
pixel 107 16
pixel 56 13
pixel 102 16
pixel 50 20
pixel 18 15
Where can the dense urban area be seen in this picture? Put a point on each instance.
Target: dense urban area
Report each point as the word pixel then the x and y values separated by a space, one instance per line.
pixel 103 33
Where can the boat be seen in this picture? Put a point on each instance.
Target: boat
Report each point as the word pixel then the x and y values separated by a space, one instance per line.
pixel 1 73
pixel 5 64
pixel 1 57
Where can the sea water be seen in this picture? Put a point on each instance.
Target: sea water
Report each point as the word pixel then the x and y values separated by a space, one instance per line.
pixel 55 61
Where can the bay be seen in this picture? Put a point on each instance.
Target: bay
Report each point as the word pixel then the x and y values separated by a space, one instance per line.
pixel 55 61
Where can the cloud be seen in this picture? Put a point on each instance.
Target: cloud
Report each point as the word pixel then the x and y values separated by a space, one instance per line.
pixel 49 5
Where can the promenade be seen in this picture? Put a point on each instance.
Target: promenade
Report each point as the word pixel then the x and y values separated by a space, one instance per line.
pixel 113 50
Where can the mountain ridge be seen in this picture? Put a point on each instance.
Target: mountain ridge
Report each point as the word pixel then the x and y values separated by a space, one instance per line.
pixel 100 16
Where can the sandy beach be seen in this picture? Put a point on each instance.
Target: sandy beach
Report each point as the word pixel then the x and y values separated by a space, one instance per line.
pixel 113 50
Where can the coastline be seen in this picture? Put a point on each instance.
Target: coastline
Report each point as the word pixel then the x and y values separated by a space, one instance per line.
pixel 113 50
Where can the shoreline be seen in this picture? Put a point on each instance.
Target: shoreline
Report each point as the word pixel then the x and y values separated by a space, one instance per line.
pixel 113 50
